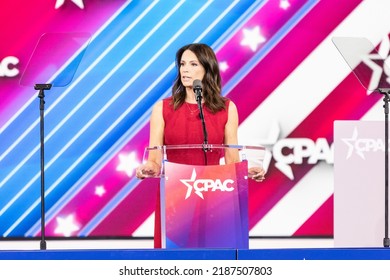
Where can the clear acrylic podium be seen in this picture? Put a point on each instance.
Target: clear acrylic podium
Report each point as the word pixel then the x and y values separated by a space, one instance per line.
pixel 205 206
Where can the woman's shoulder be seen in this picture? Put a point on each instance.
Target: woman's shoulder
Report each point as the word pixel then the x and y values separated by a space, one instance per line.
pixel 163 102
pixel 165 105
pixel 231 106
pixel 166 101
pixel 229 102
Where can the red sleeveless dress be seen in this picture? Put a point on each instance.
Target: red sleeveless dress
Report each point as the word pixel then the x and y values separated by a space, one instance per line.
pixel 184 126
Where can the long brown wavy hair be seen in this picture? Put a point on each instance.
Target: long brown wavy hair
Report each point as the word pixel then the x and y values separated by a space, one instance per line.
pixel 211 82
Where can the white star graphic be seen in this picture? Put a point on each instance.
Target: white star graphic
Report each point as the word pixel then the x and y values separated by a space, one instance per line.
pixel 252 38
pixel 79 3
pixel 378 62
pixel 376 70
pixel 127 163
pixel 351 144
pixel 66 226
pixel 100 190
pixel 189 186
pixel 270 142
pixel 223 66
pixel 284 4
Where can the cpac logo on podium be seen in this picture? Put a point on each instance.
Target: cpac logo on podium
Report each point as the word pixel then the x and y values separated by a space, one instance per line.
pixel 204 185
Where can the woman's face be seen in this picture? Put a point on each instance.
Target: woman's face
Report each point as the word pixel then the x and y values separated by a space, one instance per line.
pixel 190 68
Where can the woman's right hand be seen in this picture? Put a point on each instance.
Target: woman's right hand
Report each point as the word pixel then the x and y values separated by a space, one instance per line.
pixel 148 169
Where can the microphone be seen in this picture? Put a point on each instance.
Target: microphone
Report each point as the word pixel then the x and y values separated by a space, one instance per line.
pixel 197 88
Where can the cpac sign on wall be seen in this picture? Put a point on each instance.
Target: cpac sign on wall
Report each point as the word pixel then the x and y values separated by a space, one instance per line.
pixel 278 65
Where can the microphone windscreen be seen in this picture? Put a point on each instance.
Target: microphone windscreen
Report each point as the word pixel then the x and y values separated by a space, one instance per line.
pixel 197 84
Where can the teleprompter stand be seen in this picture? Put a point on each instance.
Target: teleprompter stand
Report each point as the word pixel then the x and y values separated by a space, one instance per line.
pixel 41 96
pixel 52 51
pixel 386 99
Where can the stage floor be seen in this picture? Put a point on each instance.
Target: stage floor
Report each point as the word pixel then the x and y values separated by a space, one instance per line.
pixel 201 254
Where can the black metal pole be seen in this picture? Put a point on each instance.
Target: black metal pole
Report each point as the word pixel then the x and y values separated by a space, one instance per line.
pixel 41 96
pixel 42 136
pixel 386 100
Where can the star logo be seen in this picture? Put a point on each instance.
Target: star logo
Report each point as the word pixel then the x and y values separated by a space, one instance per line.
pixel 351 143
pixel 189 183
pixel 79 3
pixel 378 63
pixel 252 38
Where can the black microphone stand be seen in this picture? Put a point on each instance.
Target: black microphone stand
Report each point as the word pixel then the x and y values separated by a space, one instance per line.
pixel 386 99
pixel 198 96
pixel 41 96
